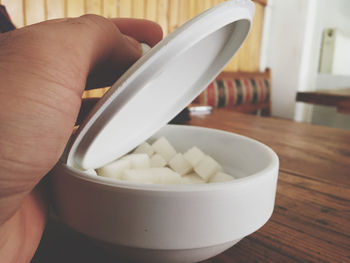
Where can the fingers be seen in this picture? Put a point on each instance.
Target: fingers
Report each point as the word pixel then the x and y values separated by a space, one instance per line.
pixel 144 31
pixel 111 52
pixel 122 51
pixel 106 73
pixel 108 46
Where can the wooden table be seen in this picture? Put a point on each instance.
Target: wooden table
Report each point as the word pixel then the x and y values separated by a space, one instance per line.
pixel 339 98
pixel 311 220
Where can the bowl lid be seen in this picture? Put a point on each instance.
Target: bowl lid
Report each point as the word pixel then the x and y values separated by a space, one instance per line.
pixel 160 84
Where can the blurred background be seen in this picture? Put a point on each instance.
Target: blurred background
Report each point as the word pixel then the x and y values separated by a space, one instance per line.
pixel 170 14
pixel 304 43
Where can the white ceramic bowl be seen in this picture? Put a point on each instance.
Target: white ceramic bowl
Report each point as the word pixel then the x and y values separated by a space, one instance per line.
pixel 174 223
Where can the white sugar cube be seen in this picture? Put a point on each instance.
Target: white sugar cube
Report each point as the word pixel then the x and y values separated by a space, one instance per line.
pixel 180 165
pixel 192 178
pixel 194 156
pixel 90 171
pixel 157 160
pixel 152 176
pixel 138 160
pixel 160 164
pixel 207 167
pixel 164 148
pixel 167 176
pixel 144 148
pixel 221 177
pixel 114 169
pixel 138 176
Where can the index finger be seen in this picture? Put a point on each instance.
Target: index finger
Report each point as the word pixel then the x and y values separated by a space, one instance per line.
pixel 144 31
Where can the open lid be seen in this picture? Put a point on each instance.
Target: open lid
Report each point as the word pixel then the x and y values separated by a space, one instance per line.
pixel 160 84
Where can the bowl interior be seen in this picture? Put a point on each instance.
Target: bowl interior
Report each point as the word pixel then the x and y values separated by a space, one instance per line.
pixel 240 156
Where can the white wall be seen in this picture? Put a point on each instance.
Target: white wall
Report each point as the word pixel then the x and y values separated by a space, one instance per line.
pixel 287 48
pixel 291 48
pixel 330 14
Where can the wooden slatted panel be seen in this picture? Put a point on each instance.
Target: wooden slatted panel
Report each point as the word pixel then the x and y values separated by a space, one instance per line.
pixel 75 8
pixel 162 15
pixel 55 9
pixel 125 8
pixel 151 10
pixel 207 4
pixel 34 11
pixel 110 8
pixel 215 2
pixel 199 6
pixel 16 10
pixel 93 7
pixel 183 12
pixel 192 8
pixel 138 8
pixel 170 14
pixel 173 18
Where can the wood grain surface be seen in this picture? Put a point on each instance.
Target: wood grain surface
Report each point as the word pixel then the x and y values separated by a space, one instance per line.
pixel 311 219
pixel 339 98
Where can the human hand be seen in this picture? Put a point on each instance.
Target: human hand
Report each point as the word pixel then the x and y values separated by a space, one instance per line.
pixel 44 69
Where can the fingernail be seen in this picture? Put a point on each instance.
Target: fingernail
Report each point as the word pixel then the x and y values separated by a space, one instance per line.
pixel 133 42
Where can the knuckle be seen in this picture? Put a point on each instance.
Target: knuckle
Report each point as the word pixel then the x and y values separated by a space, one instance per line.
pixel 96 22
pixel 93 27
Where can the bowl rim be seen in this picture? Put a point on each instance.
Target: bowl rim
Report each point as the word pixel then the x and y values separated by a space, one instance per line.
pixel 120 184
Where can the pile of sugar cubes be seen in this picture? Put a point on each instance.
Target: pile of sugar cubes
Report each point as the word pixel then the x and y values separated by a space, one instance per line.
pixel 159 163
